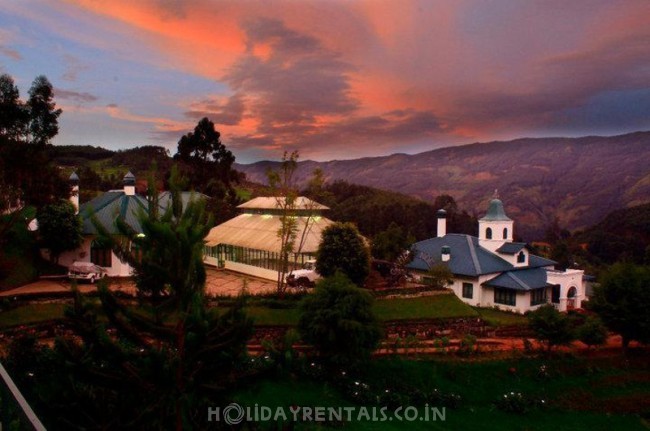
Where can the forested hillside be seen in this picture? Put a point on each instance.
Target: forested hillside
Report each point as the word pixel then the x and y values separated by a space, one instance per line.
pixel 576 180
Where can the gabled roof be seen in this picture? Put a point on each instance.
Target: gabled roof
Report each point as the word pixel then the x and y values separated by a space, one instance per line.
pixel 511 247
pixel 467 257
pixel 523 279
pixel 273 203
pixel 115 203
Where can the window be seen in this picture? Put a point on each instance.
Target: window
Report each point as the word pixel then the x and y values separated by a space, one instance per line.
pixel 488 233
pixel 505 297
pixel 100 254
pixel 468 290
pixel 521 257
pixel 538 296
pixel 505 233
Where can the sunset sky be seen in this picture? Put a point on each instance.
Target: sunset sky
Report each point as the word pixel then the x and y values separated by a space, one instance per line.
pixel 334 79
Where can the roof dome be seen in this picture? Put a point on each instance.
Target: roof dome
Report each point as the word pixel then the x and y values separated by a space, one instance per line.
pixel 496 212
pixel 129 179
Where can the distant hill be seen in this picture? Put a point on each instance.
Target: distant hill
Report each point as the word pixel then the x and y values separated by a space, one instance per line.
pixel 623 234
pixel 577 180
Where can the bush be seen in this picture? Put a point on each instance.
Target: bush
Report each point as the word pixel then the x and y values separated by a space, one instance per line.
pixel 337 319
pixel 592 332
pixel 551 326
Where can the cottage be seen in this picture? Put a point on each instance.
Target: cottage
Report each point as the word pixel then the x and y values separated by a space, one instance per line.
pixel 492 270
pixel 249 243
pixel 107 208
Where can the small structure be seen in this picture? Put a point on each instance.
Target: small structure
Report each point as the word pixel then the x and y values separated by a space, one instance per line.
pixel 249 243
pixel 492 270
pixel 107 208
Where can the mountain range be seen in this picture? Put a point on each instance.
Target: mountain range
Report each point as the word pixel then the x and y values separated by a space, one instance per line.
pixel 574 180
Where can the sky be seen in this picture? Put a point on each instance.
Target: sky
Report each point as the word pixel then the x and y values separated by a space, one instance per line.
pixel 333 79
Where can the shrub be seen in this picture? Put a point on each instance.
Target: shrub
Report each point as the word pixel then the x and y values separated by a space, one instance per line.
pixel 337 319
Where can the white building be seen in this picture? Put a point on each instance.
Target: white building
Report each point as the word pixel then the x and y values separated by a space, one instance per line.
pixel 107 208
pixel 492 270
pixel 249 243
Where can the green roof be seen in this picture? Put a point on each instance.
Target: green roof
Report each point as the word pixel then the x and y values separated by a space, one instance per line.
pixel 496 212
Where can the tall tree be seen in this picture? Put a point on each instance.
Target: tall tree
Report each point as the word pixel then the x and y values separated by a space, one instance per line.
pixel 285 192
pixel 209 161
pixel 172 357
pixel 343 249
pixel 43 115
pixel 13 115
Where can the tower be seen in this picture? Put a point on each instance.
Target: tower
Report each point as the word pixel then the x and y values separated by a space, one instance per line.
pixel 495 228
pixel 74 196
pixel 129 184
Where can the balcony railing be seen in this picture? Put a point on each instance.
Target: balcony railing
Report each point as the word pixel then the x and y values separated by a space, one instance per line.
pixel 14 407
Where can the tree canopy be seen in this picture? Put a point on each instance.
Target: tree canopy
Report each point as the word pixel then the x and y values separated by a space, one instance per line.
pixel 343 249
pixel 209 161
pixel 60 228
pixel 622 300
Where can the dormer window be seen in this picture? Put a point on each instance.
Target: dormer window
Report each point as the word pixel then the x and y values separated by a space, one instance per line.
pixel 521 257
pixel 488 233
pixel 505 233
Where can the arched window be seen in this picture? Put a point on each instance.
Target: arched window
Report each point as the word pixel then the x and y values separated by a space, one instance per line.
pixel 505 233
pixel 100 254
pixel 521 257
pixel 488 233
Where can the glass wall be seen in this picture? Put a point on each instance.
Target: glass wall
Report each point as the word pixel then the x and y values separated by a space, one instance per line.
pixel 259 258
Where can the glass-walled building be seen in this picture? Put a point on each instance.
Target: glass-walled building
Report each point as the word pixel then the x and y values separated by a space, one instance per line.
pixel 249 243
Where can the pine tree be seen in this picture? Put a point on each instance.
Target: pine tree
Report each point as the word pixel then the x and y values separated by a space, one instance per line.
pixel 172 356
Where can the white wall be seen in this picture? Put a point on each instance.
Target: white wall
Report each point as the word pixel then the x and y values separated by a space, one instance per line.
pixel 566 280
pixel 82 254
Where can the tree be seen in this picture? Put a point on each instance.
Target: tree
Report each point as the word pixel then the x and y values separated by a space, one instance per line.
pixel 337 319
pixel 551 326
pixel 207 159
pixel 439 276
pixel 13 115
pixel 622 301
pixel 592 332
pixel 43 115
pixel 342 248
pixel 391 243
pixel 171 357
pixel 60 228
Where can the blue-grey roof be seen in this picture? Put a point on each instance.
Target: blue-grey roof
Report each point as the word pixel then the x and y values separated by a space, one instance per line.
pixel 496 212
pixel 535 261
pixel 467 257
pixel 523 279
pixel 113 204
pixel 74 177
pixel 511 247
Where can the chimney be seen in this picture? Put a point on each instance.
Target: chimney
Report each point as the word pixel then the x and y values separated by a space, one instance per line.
pixel 445 253
pixel 129 184
pixel 74 196
pixel 442 223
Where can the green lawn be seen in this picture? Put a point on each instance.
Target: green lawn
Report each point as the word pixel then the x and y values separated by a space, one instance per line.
pixel 424 307
pixel 500 318
pixel 32 313
pixel 581 394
